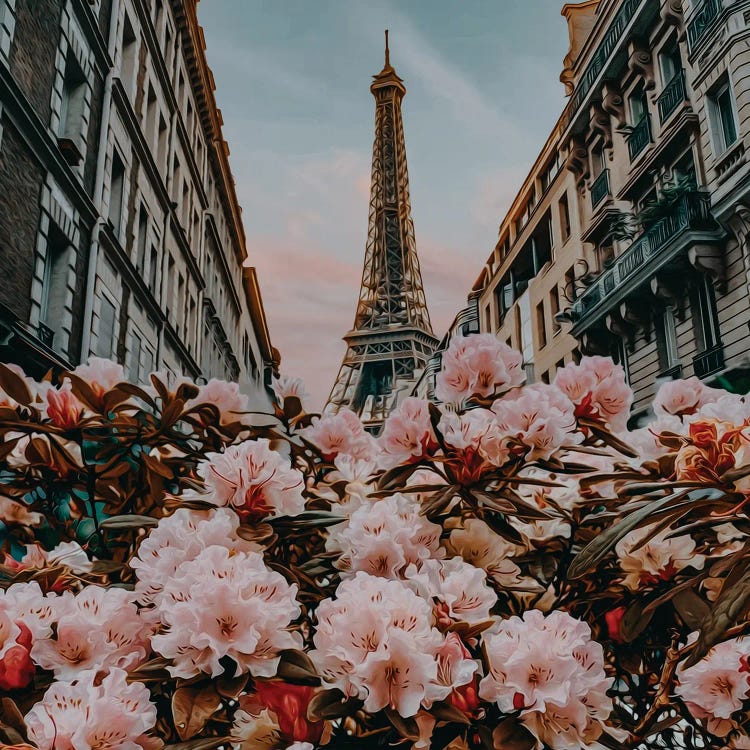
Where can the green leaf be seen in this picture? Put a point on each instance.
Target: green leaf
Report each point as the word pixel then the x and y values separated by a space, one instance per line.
pixel 597 550
pixel 128 522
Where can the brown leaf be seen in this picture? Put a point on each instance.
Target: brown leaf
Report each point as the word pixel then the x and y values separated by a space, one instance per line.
pixel 331 704
pixel 296 666
pixel 635 621
pixel 10 716
pixel 407 728
pixel 192 707
pixel 231 687
pixel 691 607
pixel 14 385
pixel 510 734
pixel 448 712
pixel 128 522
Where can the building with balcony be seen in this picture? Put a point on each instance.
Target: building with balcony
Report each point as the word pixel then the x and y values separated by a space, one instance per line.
pixel 638 247
pixel 120 231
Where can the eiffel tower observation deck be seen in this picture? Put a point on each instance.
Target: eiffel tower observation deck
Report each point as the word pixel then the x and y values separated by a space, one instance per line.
pixel 392 337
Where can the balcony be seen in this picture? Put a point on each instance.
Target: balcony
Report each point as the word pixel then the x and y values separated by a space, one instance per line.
pixel 600 189
pixel 701 22
pixel 690 216
pixel 639 137
pixel 46 334
pixel 673 95
pixel 709 362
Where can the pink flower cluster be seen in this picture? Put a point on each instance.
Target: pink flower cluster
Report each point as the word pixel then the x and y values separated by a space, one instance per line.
pixel 659 559
pixel 407 435
pixel 341 434
pixel 478 365
pixel 717 686
pixel 225 396
pixel 551 671
pixel 376 640
pixel 226 604
pixel 383 536
pixel 178 539
pixel 254 480
pixel 598 389
pixel 89 713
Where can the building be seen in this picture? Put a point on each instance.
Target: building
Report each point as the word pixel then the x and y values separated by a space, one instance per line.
pixel 120 231
pixel 629 236
pixel 391 340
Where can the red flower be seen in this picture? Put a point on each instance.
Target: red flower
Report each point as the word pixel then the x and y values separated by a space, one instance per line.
pixel 289 703
pixel 16 667
pixel 613 618
pixel 466 698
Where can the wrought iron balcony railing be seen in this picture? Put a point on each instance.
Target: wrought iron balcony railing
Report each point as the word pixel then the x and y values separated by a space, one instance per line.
pixel 692 211
pixel 701 22
pixel 600 189
pixel 640 137
pixel 673 95
pixel 708 362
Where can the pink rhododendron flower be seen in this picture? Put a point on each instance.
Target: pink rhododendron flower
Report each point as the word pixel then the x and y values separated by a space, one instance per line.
pixel 645 440
pixel 29 605
pixel 540 418
pixel 717 686
pixel 598 389
pixel 178 539
pixel 679 397
pixel 341 433
pixel 552 672
pixel 254 727
pixel 478 442
pixel 12 513
pixel 16 667
pixel 97 628
pixel 225 396
pixel 407 434
pixel 659 559
pixel 226 604
pixel 88 714
pixel 254 480
pixel 69 554
pixel 460 589
pixel 60 405
pixel 382 537
pixel 456 668
pixel 478 365
pixel 480 546
pixel 287 387
pixel 356 474
pixel 101 374
pixel 376 641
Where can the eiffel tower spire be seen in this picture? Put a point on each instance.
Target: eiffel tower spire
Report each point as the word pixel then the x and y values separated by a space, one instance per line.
pixel 392 337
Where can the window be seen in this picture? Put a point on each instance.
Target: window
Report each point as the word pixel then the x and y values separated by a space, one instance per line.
pixel 541 327
pixel 487 318
pixel 669 62
pixel 570 285
pixel 129 57
pixel 116 192
pixel 620 356
pixel 545 377
pixel 725 124
pixel 564 217
pixel 666 339
pixel 597 161
pixel 161 147
pixel 638 105
pixel 73 94
pixel 140 258
pixel 151 113
pixel 703 308
pixel 136 345
pixel 554 303
pixel 55 289
pixel 153 271
pixel 105 340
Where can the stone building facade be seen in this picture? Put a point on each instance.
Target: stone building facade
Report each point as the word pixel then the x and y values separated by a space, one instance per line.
pixel 629 237
pixel 120 231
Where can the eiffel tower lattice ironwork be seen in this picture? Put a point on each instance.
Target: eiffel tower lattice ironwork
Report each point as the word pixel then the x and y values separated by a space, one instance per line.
pixel 392 337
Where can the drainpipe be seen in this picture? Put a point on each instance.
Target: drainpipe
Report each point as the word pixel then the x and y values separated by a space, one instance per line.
pixel 88 309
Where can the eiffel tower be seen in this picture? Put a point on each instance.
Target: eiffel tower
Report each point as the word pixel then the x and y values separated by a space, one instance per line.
pixel 392 337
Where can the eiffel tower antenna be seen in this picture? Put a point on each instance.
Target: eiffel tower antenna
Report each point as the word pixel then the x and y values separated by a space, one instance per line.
pixel 391 339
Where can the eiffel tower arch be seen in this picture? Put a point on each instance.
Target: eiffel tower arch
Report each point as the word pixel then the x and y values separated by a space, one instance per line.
pixel 391 339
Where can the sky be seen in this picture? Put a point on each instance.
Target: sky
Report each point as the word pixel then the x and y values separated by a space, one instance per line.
pixel 292 81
